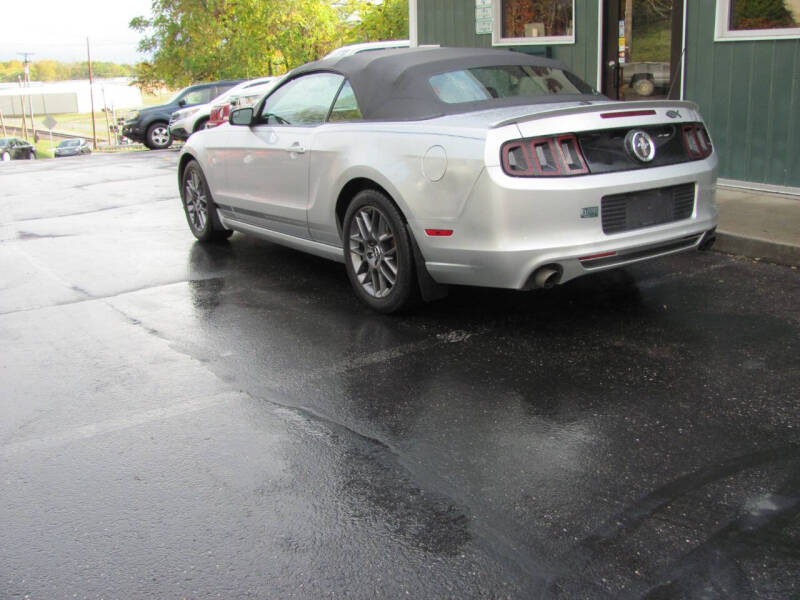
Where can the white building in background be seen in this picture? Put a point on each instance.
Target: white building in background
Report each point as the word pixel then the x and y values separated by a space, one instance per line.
pixel 69 96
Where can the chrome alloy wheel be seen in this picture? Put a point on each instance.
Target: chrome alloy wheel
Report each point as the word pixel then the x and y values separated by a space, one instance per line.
pixel 160 135
pixel 373 252
pixel 196 201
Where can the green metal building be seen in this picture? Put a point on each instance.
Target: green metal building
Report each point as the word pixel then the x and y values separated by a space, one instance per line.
pixel 739 61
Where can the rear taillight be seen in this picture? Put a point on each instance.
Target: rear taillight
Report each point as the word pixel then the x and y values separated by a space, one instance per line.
pixel 552 156
pixel 696 141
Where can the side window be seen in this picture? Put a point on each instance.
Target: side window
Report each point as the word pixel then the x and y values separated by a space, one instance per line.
pixel 302 101
pixel 221 89
pixel 198 96
pixel 345 108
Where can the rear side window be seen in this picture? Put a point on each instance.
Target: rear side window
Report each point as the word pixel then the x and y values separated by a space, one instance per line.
pixel 345 108
pixel 200 96
pixel 486 83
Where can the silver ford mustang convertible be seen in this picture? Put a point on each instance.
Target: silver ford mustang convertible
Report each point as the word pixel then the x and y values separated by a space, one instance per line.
pixel 425 167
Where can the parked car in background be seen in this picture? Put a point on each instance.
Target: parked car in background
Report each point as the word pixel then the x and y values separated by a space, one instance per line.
pixel 15 148
pixel 186 121
pixel 646 78
pixel 72 147
pixel 242 97
pixel 150 125
pixel 425 167
pixel 366 47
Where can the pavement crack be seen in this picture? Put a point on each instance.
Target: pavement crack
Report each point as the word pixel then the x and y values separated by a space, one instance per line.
pixel 632 517
pixel 92 298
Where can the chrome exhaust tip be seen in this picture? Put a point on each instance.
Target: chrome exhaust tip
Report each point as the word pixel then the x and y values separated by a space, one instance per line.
pixel 546 276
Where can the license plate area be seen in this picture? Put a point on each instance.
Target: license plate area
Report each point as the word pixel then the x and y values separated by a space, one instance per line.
pixel 645 208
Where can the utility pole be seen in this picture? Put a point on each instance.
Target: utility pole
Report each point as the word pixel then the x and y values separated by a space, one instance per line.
pixel 25 56
pixel 91 95
pixel 105 111
pixel 22 107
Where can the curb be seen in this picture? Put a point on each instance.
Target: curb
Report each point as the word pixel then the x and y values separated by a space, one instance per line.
pixel 782 254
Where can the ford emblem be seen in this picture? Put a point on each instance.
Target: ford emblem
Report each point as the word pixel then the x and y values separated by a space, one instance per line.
pixel 641 145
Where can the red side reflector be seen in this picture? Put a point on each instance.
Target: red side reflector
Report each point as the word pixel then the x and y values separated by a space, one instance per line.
pixel 627 113
pixel 439 232
pixel 601 255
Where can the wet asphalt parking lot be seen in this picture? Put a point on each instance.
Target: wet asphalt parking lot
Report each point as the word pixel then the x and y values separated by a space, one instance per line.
pixel 188 421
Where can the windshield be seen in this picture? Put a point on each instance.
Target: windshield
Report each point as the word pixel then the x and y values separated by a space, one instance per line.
pixel 485 83
pixel 69 143
pixel 4 141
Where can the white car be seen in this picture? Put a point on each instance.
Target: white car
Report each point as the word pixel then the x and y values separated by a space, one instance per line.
pixel 421 168
pixel 243 97
pixel 366 47
pixel 186 121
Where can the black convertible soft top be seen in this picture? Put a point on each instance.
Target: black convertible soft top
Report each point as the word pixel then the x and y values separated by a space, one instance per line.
pixel 392 85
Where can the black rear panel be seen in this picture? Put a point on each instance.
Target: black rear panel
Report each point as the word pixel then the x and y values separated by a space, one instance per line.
pixel 645 208
pixel 605 151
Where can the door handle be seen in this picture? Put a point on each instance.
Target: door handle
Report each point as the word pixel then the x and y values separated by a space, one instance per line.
pixel 296 148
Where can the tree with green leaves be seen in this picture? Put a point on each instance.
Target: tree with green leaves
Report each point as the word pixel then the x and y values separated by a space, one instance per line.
pixel 203 40
pixel 375 22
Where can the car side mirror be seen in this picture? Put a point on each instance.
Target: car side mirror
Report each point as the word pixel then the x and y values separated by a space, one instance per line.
pixel 182 102
pixel 241 116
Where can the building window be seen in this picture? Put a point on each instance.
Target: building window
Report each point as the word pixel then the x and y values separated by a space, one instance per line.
pixel 757 20
pixel 527 22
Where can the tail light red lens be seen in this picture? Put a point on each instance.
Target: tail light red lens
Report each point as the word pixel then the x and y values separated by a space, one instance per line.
pixel 551 156
pixel 696 141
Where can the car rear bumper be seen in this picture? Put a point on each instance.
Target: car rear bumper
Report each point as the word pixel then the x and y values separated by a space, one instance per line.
pixel 509 228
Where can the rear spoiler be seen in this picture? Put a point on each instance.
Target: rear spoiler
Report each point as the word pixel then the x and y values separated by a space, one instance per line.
pixel 610 106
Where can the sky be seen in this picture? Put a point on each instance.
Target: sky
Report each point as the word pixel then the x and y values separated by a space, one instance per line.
pixel 57 29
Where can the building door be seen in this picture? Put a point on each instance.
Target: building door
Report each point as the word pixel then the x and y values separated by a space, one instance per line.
pixel 642 43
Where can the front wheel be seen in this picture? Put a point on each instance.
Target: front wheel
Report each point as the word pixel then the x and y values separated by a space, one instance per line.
pixel 378 254
pixel 201 124
pixel 199 207
pixel 5 156
pixel 158 136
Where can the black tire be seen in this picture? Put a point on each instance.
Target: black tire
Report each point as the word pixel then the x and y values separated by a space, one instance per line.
pixel 201 124
pixel 378 255
pixel 199 207
pixel 32 155
pixel 158 136
pixel 5 156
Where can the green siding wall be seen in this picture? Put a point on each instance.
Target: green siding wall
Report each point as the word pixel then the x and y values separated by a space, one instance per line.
pixel 449 23
pixel 749 93
pixel 581 57
pixel 452 23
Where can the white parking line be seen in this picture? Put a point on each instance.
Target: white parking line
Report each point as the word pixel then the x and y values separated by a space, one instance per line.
pixel 103 427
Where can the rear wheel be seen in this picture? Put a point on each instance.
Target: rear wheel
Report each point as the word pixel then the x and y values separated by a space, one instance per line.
pixel 158 136
pixel 32 155
pixel 199 207
pixel 378 254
